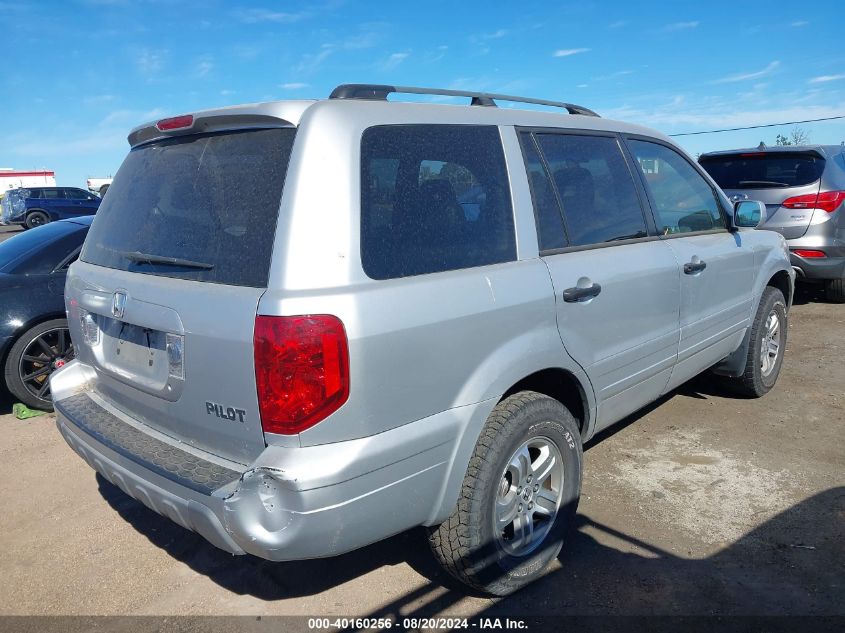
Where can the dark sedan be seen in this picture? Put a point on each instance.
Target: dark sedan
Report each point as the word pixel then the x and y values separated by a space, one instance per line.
pixel 34 339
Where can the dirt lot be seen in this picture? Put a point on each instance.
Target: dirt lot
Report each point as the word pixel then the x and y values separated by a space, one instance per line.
pixel 703 504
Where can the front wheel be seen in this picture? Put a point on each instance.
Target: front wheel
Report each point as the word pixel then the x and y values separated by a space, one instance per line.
pixel 766 347
pixel 518 499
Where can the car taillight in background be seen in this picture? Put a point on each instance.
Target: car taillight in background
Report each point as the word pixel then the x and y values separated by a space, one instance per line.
pixel 807 253
pixel 827 200
pixel 301 370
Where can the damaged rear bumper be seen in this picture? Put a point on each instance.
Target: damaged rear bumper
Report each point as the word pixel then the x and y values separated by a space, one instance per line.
pixel 292 503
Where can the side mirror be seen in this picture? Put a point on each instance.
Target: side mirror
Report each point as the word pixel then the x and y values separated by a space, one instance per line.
pixel 749 214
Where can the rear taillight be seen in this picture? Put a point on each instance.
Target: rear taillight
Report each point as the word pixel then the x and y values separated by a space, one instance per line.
pixel 89 326
pixel 808 254
pixel 176 123
pixel 827 200
pixel 301 370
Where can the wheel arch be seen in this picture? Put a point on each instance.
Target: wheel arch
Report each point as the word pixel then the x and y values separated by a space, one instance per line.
pixel 563 386
pixel 572 390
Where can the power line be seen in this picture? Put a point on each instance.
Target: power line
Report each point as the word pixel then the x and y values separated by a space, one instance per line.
pixel 754 127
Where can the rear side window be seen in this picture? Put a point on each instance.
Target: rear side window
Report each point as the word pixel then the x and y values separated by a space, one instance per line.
pixel 755 170
pixel 34 193
pixel 209 200
pixel 595 187
pixel 550 233
pixel 52 194
pixel 433 198
pixel 685 202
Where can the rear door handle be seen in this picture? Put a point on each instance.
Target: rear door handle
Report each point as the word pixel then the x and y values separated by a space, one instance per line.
pixel 573 295
pixel 695 266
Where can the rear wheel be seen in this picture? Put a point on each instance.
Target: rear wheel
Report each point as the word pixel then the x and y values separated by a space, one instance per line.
pixel 835 290
pixel 36 218
pixel 518 498
pixel 36 354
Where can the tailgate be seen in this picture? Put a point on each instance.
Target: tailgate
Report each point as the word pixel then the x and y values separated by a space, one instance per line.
pixel 771 177
pixel 163 298
pixel 791 223
pixel 178 359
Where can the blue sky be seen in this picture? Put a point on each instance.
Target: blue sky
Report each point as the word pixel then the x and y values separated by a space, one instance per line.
pixel 78 74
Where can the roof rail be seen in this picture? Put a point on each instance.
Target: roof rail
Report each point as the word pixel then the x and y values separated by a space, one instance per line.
pixel 379 92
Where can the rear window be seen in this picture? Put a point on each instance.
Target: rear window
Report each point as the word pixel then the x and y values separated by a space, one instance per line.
pixel 41 249
pixel 433 198
pixel 208 203
pixel 764 171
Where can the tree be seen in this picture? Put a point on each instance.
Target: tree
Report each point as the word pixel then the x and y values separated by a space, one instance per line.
pixel 798 136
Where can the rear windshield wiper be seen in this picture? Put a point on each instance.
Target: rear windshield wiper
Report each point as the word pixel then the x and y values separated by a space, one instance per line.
pixel 146 258
pixel 762 183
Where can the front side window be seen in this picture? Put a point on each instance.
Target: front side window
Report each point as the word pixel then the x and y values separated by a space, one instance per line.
pixel 433 198
pixel 685 202
pixel 595 188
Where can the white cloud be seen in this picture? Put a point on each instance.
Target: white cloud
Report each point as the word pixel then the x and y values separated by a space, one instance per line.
pixel 393 61
pixel 768 70
pixel 254 16
pixel 310 62
pixel 94 99
pixel 226 92
pixel 617 24
pixel 566 52
pixel 204 66
pixel 799 23
pixel 708 113
pixel 294 85
pixel 680 26
pixel 150 62
pixel 825 78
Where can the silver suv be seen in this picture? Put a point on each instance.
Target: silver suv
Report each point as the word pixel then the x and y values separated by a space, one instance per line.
pixel 304 326
pixel 803 188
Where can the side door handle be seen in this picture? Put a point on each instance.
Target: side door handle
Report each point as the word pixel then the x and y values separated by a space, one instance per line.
pixel 576 294
pixel 695 266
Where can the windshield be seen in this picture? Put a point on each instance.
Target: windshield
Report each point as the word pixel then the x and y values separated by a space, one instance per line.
pixel 210 199
pixel 764 170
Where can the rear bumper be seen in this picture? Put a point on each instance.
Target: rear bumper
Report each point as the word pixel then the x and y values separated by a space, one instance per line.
pixel 830 267
pixel 285 506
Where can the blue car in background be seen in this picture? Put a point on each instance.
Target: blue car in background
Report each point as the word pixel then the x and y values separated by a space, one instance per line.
pixel 35 206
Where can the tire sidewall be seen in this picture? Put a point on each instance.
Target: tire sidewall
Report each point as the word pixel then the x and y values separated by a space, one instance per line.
pixel 496 569
pixel 773 299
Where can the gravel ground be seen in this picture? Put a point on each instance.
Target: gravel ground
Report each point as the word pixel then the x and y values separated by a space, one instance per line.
pixel 702 504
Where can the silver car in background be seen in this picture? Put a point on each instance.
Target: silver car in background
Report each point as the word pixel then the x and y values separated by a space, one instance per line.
pixel 302 327
pixel 803 188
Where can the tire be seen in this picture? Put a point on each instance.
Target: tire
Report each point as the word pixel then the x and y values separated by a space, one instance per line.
pixel 28 357
pixel 761 373
pixel 492 559
pixel 834 290
pixel 36 218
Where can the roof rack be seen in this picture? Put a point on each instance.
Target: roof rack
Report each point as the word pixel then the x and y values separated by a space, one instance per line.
pixel 378 92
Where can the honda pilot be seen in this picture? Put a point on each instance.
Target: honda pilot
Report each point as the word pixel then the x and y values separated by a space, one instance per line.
pixel 302 327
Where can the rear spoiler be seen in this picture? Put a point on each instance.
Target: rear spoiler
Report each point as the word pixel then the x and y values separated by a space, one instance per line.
pixel 203 124
pixel 769 151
